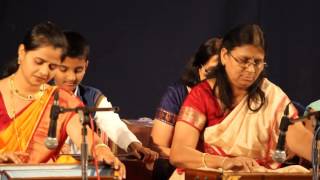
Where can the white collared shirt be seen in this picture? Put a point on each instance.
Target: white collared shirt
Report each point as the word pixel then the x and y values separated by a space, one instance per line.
pixel 110 123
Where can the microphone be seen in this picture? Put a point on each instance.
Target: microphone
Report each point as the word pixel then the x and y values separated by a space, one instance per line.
pixel 51 141
pixel 280 154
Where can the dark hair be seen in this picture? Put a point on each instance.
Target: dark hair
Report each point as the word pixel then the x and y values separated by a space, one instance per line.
pixel 250 34
pixel 9 68
pixel 42 34
pixel 190 76
pixel 78 45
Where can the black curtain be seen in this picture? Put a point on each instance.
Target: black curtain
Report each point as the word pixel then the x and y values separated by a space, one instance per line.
pixel 139 47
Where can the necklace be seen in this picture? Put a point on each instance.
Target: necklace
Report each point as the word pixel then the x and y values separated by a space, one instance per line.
pixel 13 115
pixel 28 97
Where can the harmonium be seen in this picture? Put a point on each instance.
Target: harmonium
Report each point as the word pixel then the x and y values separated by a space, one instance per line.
pixel 53 172
pixel 196 174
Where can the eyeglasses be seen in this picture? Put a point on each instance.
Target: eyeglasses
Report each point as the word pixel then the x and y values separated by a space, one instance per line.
pixel 245 63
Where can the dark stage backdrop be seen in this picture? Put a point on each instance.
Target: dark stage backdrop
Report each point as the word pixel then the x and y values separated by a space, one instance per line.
pixel 139 47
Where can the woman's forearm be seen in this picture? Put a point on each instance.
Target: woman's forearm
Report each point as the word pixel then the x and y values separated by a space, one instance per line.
pixel 186 157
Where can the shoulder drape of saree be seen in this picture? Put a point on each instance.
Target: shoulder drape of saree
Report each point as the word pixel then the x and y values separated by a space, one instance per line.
pixel 24 125
pixel 32 126
pixel 199 104
pixel 247 133
pixel 37 150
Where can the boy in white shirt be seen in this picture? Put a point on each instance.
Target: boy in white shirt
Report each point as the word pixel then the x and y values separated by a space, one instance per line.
pixel 69 76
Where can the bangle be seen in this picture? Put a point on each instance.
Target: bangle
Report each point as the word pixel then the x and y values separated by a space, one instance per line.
pixel 101 145
pixel 204 164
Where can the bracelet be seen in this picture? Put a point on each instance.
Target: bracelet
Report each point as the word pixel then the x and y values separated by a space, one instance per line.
pixel 101 145
pixel 203 158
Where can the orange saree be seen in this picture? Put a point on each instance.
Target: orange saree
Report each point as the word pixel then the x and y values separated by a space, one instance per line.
pixel 28 130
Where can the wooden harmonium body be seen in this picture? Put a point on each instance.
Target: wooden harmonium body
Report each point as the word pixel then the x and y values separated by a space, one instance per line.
pixel 193 174
pixel 52 172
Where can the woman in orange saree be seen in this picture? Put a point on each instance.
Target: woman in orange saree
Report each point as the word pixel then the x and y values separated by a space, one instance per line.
pixel 27 130
pixel 236 113
pixel 26 100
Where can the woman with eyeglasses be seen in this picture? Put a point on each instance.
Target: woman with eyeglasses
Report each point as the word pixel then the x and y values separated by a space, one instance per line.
pixel 237 112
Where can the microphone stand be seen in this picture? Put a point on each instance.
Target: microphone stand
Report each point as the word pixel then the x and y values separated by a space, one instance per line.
pixel 84 114
pixel 85 120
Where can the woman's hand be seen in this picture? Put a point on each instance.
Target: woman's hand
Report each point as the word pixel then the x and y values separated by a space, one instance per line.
pixel 104 154
pixel 14 157
pixel 240 164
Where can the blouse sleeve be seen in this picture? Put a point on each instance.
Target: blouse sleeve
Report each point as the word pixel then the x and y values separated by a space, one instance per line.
pixel 170 104
pixel 193 110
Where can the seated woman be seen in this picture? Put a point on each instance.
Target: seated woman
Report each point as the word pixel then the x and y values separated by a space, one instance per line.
pixel 26 100
pixel 236 112
pixel 163 125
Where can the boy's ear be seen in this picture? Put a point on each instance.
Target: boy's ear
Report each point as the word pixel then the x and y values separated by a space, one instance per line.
pixel 87 64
